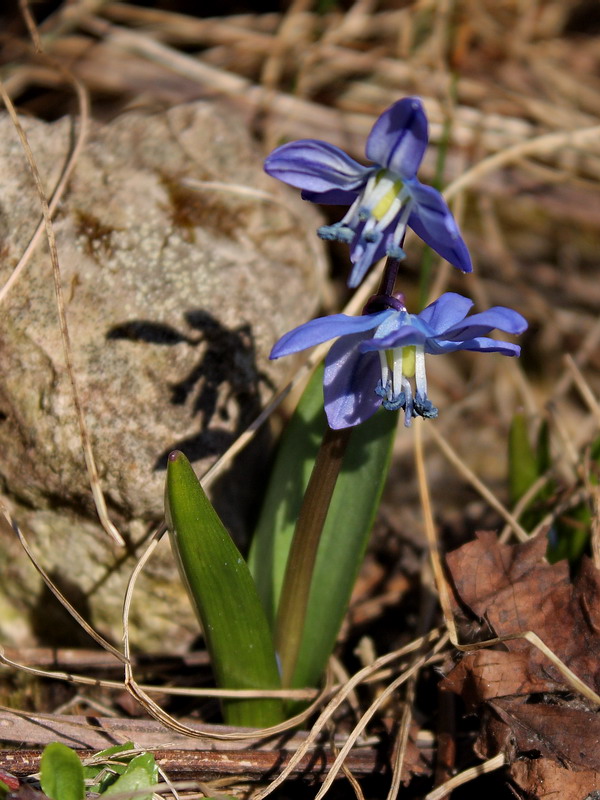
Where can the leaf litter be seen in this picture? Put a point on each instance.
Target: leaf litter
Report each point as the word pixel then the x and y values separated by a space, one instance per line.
pixel 549 736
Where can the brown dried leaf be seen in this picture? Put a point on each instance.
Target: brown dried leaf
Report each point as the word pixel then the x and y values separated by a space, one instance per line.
pixel 487 674
pixel 547 780
pixel 552 746
pixel 567 735
pixel 515 590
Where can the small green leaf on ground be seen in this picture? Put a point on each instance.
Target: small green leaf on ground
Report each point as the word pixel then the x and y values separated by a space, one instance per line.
pixel 61 773
pixel 141 773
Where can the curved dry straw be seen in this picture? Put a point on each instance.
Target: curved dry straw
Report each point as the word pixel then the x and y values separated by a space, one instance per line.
pixel 90 462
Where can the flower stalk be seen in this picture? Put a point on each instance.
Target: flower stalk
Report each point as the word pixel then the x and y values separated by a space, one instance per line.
pixel 303 552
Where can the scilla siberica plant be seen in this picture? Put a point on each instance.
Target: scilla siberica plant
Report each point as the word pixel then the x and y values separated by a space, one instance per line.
pixel 274 624
pixel 381 350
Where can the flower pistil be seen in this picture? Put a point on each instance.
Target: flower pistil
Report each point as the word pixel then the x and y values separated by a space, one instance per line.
pixel 398 365
pixel 384 203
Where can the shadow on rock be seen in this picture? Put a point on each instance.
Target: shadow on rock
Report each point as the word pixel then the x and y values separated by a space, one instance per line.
pixel 222 387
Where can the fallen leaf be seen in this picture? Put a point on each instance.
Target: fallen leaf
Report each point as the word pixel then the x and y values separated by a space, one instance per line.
pixel 515 590
pixel 547 780
pixel 569 736
pixel 549 734
pixel 487 674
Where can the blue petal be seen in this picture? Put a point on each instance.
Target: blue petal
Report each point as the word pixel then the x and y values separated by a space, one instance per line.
pixel 432 221
pixel 399 138
pixel 481 343
pixel 447 310
pixel 334 197
pixel 324 328
pixel 364 254
pixel 504 319
pixel 406 336
pixel 316 167
pixel 349 383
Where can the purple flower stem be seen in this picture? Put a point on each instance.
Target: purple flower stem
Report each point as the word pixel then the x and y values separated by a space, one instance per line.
pixel 295 591
pixel 390 273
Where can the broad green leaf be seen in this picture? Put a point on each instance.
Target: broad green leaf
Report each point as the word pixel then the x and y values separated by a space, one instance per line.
pixel 61 773
pixel 141 773
pixel 224 596
pixel 346 531
pixel 4 789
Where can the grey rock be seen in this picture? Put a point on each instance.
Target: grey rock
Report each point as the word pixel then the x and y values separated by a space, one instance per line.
pixel 175 293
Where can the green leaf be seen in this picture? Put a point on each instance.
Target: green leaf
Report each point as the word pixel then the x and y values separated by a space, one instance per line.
pixel 345 537
pixel 289 478
pixel 346 531
pixel 141 773
pixel 224 596
pixel 543 455
pixel 61 773
pixel 572 529
pixel 106 772
pixel 116 750
pixel 523 462
pixel 4 789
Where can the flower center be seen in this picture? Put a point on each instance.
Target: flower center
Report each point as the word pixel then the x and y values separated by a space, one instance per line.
pixel 396 390
pixel 388 183
pixel 409 355
pixel 375 223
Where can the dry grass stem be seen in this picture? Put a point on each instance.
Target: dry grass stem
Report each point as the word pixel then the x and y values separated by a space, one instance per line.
pixel 90 462
pixel 467 776
pixel 456 461
pixel 100 640
pixel 583 387
pixel 339 698
pixel 535 487
pixel 401 742
pixel 540 145
pixel 371 711
pixel 57 194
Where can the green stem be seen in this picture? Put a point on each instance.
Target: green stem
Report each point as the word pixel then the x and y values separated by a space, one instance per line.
pixel 303 552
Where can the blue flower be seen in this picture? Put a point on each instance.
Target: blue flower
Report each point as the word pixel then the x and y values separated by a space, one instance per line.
pixel 384 198
pixel 379 356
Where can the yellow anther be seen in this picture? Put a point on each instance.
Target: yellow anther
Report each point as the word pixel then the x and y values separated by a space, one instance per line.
pixel 384 205
pixel 408 361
